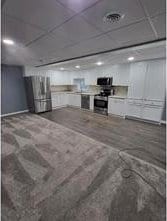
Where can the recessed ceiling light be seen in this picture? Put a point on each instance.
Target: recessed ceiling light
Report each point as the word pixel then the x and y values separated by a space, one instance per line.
pixel 62 69
pixel 8 42
pixel 99 63
pixel 130 58
pixel 77 66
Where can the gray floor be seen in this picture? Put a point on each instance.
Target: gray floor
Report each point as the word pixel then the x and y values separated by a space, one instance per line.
pixel 146 141
pixel 52 173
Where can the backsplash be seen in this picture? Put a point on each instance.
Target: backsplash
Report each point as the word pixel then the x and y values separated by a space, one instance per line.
pixel 59 88
pixel 121 91
pixel 88 88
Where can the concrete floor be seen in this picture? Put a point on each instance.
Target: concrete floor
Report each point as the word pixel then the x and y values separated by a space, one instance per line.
pixel 53 173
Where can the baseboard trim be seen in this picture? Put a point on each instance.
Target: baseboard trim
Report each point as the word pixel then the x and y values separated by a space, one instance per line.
pixel 142 120
pixel 163 122
pixel 58 107
pixel 116 115
pixel 14 113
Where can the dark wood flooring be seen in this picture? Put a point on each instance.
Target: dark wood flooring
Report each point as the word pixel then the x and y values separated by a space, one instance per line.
pixel 144 140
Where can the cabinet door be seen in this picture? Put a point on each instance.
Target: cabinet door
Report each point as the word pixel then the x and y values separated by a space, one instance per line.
pixel 134 108
pixel 74 100
pixel 155 80
pixel 116 106
pixel 63 99
pixel 77 100
pixel 91 102
pixel 121 76
pixel 55 101
pixel 69 99
pixel 137 80
pixel 152 113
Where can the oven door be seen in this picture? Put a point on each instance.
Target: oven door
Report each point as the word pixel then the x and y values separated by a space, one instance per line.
pixel 100 103
pixel 101 106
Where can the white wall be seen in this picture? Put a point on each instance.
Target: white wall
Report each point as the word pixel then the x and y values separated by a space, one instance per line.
pixel 56 77
pixel 120 73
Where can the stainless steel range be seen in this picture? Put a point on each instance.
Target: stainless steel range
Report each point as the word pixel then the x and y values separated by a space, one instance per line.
pixel 101 100
pixel 101 104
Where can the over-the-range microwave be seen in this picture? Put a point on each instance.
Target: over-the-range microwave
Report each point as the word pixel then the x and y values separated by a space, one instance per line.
pixel 105 81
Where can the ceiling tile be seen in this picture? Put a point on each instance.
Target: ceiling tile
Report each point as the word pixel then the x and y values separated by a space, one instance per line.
pixel 18 56
pixel 78 5
pixel 20 32
pixel 159 23
pixel 93 45
pixel 77 29
pixel 154 7
pixel 50 43
pixel 90 46
pixel 43 13
pixel 131 9
pixel 133 34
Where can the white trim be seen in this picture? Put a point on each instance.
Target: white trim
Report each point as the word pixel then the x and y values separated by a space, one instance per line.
pixel 163 122
pixel 142 120
pixel 13 113
pixel 58 107
pixel 116 115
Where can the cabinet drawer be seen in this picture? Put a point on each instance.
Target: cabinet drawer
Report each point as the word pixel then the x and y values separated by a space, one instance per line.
pixel 117 106
pixel 135 102
pixel 153 103
pixel 152 113
pixel 118 101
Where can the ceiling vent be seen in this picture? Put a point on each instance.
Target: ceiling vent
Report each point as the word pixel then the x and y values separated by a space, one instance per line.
pixel 112 17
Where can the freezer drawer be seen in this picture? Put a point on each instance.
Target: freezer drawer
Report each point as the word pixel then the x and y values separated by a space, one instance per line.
pixel 42 105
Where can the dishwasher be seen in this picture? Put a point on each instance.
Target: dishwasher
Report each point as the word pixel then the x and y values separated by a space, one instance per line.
pixel 85 101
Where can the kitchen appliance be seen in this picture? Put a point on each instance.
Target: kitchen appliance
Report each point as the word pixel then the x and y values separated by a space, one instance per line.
pixel 105 81
pixel 101 101
pixel 38 94
pixel 101 104
pixel 85 101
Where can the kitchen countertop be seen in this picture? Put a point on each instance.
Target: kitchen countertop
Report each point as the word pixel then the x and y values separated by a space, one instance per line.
pixel 73 92
pixel 118 97
pixel 88 93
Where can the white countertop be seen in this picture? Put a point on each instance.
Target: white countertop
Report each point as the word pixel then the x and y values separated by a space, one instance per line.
pixel 118 97
pixel 88 93
pixel 74 92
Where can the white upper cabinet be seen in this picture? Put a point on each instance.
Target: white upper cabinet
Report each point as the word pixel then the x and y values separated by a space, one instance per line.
pixel 137 80
pixel 121 75
pixel 155 80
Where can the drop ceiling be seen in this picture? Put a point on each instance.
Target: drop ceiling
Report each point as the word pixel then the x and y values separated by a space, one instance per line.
pixel 55 30
pixel 144 52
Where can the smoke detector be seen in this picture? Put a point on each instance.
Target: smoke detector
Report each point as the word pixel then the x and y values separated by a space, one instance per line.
pixel 112 17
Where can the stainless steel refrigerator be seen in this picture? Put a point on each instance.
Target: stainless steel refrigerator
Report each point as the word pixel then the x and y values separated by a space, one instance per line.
pixel 38 94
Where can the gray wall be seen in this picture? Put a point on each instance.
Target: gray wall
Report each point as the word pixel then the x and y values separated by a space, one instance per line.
pixel 13 97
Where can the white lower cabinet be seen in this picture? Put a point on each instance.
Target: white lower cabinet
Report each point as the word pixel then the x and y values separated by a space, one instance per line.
pixel 145 109
pixel 134 108
pixel 92 102
pixel 152 113
pixel 59 100
pixel 117 106
pixel 74 100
